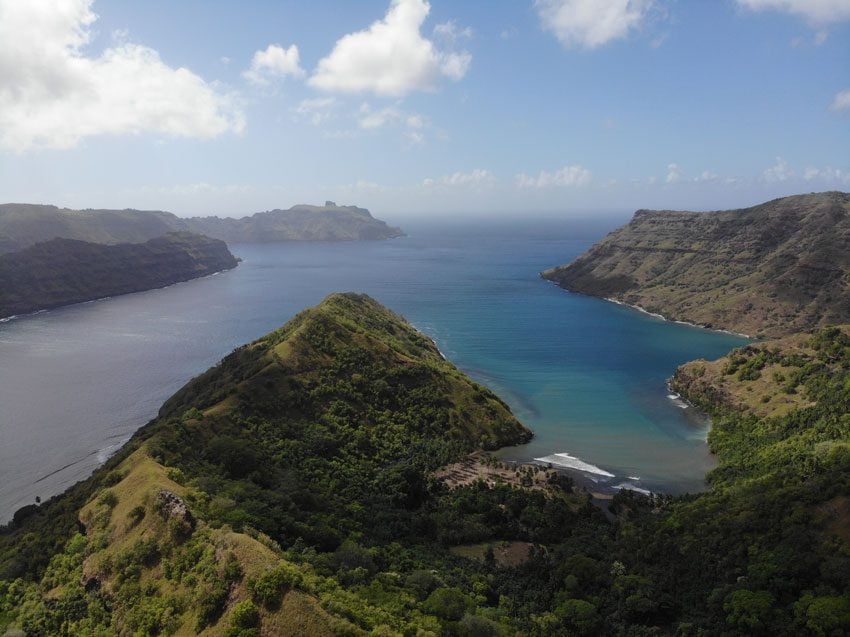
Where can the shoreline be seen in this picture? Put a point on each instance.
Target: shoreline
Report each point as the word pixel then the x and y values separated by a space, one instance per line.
pixel 14 317
pixel 647 312
pixel 670 320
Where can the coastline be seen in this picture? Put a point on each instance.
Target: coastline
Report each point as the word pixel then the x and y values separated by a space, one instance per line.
pixel 13 317
pixel 670 320
pixel 647 312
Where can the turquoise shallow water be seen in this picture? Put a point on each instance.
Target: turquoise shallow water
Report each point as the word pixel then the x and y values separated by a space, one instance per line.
pixel 586 375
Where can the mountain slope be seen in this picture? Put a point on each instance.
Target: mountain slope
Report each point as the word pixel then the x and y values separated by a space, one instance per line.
pixel 64 271
pixel 291 488
pixel 22 225
pixel 321 434
pixel 773 269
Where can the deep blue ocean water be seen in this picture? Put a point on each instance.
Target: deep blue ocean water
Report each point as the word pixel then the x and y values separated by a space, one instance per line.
pixel 588 376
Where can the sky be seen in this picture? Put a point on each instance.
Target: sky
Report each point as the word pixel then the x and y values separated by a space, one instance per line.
pixel 410 107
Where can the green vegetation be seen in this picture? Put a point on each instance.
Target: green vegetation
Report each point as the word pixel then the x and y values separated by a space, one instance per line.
pixel 775 269
pixel 291 490
pixel 64 271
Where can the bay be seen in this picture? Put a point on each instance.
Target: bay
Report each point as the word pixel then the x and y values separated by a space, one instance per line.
pixel 588 376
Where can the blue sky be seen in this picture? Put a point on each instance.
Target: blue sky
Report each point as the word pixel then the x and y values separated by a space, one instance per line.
pixel 406 107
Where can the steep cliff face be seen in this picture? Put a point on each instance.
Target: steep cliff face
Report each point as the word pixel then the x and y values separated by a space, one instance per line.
pixel 22 225
pixel 64 271
pixel 773 269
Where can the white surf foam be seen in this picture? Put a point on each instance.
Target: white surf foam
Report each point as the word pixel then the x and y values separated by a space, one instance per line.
pixel 678 400
pixel 571 462
pixel 633 487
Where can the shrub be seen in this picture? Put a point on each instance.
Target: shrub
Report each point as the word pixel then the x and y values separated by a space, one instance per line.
pixel 136 514
pixel 244 621
pixel 211 605
pixel 449 604
pixel 108 498
pixel 267 589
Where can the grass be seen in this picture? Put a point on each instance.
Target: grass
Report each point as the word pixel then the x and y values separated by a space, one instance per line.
pixel 143 478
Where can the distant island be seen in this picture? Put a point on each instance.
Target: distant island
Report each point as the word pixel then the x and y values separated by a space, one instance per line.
pixel 299 223
pixel 22 225
pixel 773 269
pixel 63 271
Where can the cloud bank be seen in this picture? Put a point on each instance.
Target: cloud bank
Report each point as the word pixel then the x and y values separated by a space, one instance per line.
pixel 53 95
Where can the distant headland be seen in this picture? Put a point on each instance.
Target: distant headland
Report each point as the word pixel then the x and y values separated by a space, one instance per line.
pixel 22 225
pixel 769 270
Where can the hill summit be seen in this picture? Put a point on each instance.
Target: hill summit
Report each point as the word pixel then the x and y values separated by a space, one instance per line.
pixel 322 434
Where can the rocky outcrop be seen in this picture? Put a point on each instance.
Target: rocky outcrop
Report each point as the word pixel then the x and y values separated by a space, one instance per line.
pixel 174 509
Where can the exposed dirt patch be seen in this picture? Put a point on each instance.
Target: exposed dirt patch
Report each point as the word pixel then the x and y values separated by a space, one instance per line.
pixel 505 554
pixel 483 466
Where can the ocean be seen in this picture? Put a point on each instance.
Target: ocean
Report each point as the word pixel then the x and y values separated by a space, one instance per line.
pixel 586 375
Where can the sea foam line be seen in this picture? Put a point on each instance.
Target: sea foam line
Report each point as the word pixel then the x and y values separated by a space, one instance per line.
pixel 571 462
pixel 677 399
pixel 631 487
pixel 664 318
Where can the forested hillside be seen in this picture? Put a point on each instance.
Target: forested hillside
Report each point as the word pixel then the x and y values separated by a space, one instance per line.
pixel 293 489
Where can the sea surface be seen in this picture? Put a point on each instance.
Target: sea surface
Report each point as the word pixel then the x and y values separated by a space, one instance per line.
pixel 588 376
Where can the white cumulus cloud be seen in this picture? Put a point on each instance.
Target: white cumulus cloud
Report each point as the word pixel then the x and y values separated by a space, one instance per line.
pixel 452 32
pixel 390 58
pixel 674 173
pixel 317 110
pixel 592 23
pixel 52 95
pixel 814 11
pixel 274 62
pixel 780 171
pixel 829 175
pixel 841 102
pixel 567 176
pixel 477 177
pixel 370 118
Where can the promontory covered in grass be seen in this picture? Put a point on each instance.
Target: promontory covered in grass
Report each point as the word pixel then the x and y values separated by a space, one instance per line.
pixel 773 269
